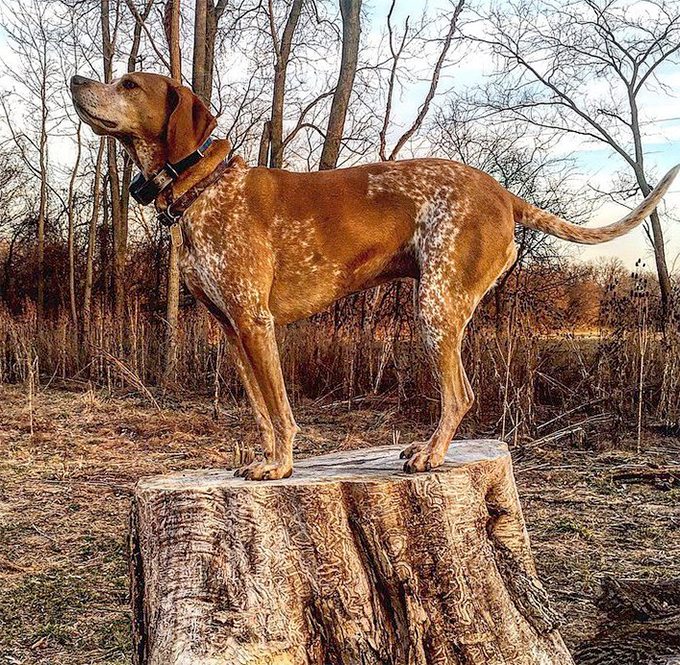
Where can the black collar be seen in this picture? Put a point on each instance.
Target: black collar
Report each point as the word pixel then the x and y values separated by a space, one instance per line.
pixel 146 191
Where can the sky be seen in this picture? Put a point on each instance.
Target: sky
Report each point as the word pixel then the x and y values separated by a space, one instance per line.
pixel 661 123
pixel 597 166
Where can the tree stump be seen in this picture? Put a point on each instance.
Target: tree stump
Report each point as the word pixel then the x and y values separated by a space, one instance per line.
pixel 348 562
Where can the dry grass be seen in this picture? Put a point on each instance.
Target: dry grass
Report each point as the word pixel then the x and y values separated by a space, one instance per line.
pixel 65 491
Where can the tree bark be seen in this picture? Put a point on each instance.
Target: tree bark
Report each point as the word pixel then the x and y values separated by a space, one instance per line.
pixel 263 152
pixel 213 13
pixel 661 265
pixel 348 562
pixel 657 232
pixel 282 53
pixel 351 31
pixel 198 68
pixel 172 305
pixel 91 241
pixel 71 237
pixel 118 218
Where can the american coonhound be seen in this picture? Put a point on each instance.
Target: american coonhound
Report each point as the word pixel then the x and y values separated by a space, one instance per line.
pixel 264 246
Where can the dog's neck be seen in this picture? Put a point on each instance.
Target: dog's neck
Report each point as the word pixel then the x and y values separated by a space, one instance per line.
pixel 149 156
pixel 219 149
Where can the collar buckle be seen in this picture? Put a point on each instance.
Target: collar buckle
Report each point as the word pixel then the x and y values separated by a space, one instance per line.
pixel 168 218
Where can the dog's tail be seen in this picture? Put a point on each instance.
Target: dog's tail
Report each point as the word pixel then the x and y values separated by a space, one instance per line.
pixel 535 218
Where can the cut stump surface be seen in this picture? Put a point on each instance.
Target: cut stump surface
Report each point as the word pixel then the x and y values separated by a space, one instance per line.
pixel 348 562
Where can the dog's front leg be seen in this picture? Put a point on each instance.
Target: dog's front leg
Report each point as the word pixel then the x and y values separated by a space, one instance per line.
pixel 258 341
pixel 253 392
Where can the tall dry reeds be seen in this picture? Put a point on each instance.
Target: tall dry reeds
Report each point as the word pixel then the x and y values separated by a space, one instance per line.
pixel 532 376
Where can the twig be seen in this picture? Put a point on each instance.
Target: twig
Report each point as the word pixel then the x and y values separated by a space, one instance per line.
pixel 129 375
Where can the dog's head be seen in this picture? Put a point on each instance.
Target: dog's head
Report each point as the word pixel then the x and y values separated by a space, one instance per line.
pixel 154 117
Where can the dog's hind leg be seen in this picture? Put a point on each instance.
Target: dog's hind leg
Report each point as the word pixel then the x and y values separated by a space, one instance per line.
pixel 446 303
pixel 444 313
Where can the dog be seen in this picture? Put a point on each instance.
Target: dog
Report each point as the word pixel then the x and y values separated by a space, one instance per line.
pixel 267 246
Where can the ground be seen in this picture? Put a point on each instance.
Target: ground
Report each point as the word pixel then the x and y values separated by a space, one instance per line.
pixel 69 462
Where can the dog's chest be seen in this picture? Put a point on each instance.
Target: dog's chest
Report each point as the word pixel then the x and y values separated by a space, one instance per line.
pixel 202 271
pixel 222 266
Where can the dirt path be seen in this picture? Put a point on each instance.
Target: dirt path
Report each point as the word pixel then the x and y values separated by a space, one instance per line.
pixel 65 490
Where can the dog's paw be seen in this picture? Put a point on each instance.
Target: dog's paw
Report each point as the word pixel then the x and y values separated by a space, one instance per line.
pixel 260 470
pixel 411 450
pixel 419 457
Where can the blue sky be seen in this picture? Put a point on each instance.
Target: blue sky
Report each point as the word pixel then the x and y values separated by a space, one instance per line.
pixel 597 165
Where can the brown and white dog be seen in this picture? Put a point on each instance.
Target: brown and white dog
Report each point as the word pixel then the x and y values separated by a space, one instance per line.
pixel 264 246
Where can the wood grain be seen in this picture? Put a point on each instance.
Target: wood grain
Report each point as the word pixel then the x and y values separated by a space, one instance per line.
pixel 348 562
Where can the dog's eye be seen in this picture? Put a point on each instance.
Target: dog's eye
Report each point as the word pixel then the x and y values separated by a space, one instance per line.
pixel 129 84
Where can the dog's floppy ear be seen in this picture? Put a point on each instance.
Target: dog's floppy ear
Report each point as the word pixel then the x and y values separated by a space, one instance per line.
pixel 189 123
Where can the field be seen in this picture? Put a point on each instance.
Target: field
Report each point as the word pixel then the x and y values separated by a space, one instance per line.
pixel 65 492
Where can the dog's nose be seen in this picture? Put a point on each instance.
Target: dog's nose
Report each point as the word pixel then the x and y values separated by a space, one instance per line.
pixel 78 80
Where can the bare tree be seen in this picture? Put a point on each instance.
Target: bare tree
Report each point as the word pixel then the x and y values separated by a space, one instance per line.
pixel 396 53
pixel 71 234
pixel 119 187
pixel 199 64
pixel 172 31
pixel 282 48
pixel 118 217
pixel 215 10
pixel 296 36
pixel 207 15
pixel 29 38
pixel 550 55
pixel 350 11
pixel 91 241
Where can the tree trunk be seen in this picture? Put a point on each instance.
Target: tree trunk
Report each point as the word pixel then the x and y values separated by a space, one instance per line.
pixel 172 314
pixel 351 31
pixel 172 305
pixel 91 241
pixel 282 51
pixel 42 211
pixel 657 233
pixel 211 21
pixel 118 216
pixel 661 265
pixel 214 13
pixel 198 68
pixel 263 152
pixel 71 238
pixel 349 562
pixel 119 231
